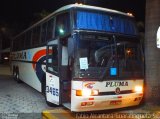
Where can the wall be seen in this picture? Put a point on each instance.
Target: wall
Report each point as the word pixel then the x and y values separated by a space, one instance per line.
pixel 152 53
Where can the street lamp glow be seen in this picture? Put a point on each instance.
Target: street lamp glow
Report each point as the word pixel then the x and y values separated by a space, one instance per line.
pixel 61 31
pixel 6 58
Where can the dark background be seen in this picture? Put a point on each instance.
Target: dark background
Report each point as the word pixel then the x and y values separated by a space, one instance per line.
pixel 17 15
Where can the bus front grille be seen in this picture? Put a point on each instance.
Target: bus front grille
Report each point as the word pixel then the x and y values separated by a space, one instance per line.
pixel 113 93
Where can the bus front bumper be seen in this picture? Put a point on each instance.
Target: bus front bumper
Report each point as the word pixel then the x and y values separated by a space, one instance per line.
pixel 94 103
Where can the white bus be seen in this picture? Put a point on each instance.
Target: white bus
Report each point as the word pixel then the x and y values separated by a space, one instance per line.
pixel 83 57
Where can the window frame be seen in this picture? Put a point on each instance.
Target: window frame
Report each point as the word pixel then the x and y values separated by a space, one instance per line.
pixel 54 47
pixel 56 35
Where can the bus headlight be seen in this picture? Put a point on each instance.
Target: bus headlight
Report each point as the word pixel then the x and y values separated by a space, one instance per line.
pixel 95 92
pixel 138 89
pixel 87 92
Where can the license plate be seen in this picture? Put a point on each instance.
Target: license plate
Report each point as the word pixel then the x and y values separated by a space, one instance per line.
pixel 115 102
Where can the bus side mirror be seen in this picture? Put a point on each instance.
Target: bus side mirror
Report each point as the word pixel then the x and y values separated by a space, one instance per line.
pixel 71 47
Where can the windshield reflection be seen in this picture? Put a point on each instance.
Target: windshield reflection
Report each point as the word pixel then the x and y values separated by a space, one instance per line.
pixel 97 52
pixel 102 55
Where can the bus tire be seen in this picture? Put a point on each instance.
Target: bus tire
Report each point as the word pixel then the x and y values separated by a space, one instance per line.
pixel 14 74
pixel 17 76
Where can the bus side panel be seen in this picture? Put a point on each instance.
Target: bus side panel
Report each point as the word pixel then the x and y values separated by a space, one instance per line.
pixel 31 65
pixel 28 75
pixel 52 88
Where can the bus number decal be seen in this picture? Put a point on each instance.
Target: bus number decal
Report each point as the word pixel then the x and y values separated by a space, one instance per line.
pixel 53 91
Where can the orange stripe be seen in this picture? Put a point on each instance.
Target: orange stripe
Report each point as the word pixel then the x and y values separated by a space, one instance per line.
pixel 88 84
pixel 38 55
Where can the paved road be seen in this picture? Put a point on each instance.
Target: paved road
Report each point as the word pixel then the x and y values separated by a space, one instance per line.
pixel 19 101
pixel 19 98
pixel 5 69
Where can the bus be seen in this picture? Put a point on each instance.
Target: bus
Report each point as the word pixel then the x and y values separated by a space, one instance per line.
pixel 85 58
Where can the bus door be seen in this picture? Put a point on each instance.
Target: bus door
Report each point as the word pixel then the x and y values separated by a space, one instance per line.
pixel 52 75
pixel 65 74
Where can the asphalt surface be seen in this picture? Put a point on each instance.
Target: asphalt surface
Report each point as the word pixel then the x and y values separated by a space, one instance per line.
pixel 5 69
pixel 18 100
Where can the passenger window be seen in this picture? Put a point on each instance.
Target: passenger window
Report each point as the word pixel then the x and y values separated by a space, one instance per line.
pixel 52 59
pixel 44 32
pixel 36 36
pixel 62 24
pixel 50 29
pixel 28 39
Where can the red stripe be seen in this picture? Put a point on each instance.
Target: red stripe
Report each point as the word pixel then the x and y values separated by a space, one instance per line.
pixel 91 98
pixel 38 55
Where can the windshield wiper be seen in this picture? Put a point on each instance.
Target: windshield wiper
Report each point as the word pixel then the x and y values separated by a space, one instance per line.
pixel 104 74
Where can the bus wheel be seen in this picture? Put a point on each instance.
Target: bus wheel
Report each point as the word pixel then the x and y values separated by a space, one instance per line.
pixel 14 75
pixel 17 77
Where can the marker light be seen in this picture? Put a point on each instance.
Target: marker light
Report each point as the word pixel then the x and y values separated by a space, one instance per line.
pixel 79 3
pixel 138 89
pixel 130 14
pixel 86 92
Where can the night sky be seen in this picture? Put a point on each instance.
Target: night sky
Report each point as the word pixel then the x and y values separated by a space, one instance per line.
pixel 21 13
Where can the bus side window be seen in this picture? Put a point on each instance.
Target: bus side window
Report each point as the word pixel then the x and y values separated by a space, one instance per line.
pixel 21 42
pixel 62 24
pixel 36 36
pixel 28 39
pixel 44 32
pixel 52 60
pixel 50 29
pixel 14 45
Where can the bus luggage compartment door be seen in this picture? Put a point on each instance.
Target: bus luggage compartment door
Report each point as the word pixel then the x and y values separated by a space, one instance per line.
pixel 52 88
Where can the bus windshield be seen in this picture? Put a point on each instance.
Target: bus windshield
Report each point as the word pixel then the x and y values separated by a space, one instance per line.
pixel 104 21
pixel 130 60
pixel 102 55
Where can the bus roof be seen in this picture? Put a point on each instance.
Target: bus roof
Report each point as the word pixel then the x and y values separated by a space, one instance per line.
pixel 67 7
pixel 91 8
